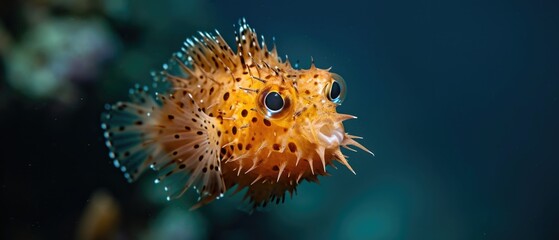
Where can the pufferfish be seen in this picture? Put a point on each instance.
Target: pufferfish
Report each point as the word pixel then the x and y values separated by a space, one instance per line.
pixel 224 119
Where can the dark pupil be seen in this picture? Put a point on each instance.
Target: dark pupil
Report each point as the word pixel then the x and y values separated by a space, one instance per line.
pixel 335 90
pixel 273 101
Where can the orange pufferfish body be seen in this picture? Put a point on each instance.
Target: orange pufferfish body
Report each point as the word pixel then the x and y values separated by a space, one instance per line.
pixel 247 119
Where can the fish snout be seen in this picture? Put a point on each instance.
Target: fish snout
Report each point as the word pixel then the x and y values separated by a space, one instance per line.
pixel 330 134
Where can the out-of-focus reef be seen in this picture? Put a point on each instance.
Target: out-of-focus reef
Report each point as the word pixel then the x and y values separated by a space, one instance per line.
pixel 58 55
pixel 100 219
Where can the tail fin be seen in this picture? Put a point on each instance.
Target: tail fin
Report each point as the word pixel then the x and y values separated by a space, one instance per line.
pixel 171 135
pixel 129 132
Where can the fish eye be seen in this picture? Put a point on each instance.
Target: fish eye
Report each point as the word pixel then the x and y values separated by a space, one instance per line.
pixel 273 102
pixel 335 91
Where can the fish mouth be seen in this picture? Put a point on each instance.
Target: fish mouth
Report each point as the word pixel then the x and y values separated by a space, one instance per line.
pixel 328 133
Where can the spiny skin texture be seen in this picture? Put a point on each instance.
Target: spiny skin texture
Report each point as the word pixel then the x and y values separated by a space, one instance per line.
pixel 215 129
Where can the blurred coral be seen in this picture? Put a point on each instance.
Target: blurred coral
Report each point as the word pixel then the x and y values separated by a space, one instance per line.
pixel 100 219
pixel 56 55
pixel 176 222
